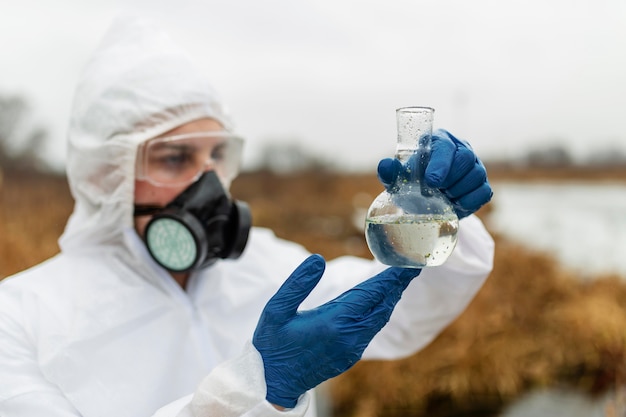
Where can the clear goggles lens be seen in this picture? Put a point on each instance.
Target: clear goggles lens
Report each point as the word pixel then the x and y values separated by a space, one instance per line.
pixel 181 159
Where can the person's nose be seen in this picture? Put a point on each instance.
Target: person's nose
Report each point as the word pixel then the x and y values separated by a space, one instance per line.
pixel 209 164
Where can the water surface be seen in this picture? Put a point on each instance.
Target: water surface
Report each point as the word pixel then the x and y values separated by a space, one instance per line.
pixel 582 224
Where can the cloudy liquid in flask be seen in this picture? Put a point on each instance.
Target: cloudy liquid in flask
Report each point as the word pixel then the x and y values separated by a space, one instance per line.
pixel 418 240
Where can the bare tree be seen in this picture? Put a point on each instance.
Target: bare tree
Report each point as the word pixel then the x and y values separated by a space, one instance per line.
pixel 288 156
pixel 21 139
pixel 552 155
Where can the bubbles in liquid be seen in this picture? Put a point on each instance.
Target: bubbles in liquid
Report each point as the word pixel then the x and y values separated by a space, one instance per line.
pixel 412 240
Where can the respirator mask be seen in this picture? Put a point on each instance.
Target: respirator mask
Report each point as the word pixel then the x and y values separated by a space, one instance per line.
pixel 202 224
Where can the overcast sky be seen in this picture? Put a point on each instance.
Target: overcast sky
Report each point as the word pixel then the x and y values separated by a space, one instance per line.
pixel 505 75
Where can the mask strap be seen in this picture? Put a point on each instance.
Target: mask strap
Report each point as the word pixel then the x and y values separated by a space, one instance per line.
pixel 146 210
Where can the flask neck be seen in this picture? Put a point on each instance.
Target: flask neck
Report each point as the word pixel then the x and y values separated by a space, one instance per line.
pixel 415 126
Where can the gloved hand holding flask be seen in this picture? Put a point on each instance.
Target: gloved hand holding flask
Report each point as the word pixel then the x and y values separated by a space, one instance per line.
pixel 453 168
pixel 301 349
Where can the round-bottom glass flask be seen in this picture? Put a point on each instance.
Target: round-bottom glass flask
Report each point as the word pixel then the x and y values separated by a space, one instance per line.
pixel 411 224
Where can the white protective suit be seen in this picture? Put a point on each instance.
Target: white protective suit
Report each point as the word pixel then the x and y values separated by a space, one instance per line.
pixel 102 330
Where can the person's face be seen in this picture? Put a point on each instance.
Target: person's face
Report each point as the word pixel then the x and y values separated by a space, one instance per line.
pixel 173 159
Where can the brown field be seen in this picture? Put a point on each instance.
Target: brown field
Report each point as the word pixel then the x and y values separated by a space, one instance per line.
pixel 533 324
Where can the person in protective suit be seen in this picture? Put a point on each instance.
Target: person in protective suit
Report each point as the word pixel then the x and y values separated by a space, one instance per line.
pixel 164 301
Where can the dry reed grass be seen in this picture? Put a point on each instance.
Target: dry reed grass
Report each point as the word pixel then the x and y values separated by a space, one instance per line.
pixel 532 324
pixel 33 212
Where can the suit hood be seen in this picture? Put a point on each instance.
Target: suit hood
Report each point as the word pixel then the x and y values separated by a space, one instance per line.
pixel 137 85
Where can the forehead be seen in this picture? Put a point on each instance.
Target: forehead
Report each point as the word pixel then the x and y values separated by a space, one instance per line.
pixel 195 126
pixel 187 142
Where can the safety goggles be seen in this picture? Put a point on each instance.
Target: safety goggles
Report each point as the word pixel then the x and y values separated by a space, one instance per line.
pixel 177 160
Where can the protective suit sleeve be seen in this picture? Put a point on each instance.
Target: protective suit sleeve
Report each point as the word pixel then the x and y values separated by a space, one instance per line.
pixel 23 389
pixel 236 388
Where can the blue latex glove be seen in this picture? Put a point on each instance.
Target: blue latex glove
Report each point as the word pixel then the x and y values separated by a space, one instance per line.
pixel 301 349
pixel 453 168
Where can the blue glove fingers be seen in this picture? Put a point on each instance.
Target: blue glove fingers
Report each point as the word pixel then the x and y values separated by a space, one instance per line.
pixel 442 152
pixel 388 170
pixel 463 161
pixel 393 276
pixel 473 179
pixel 380 313
pixel 365 296
pixel 474 200
pixel 365 309
pixel 296 288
